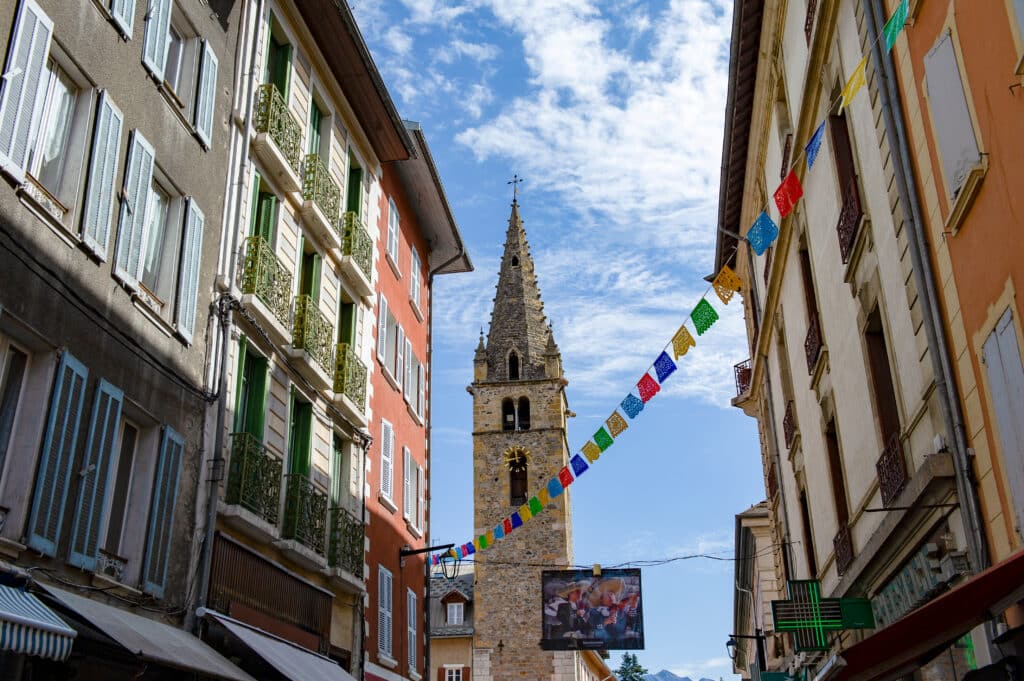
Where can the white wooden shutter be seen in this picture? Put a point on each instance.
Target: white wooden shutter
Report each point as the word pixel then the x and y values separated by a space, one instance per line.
pixel 99 191
pixel 414 277
pixel 20 97
pixel 387 448
pixel 1006 382
pixel 421 509
pixel 421 389
pixel 188 280
pixel 950 115
pixel 161 513
pixel 94 476
pixel 123 13
pixel 207 95
pixel 155 39
pixel 131 237
pixel 384 588
pixel 411 617
pixel 382 328
pixel 409 375
pixel 399 367
pixel 407 484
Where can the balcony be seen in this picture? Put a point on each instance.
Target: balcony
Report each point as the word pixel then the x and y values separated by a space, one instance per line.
pixel 278 142
pixel 321 202
pixel 357 255
pixel 812 344
pixel 892 470
pixel 253 498
pixel 849 219
pixel 842 545
pixel 312 348
pixel 789 424
pixel 304 531
pixel 267 289
pixel 345 552
pixel 350 384
pixel 743 375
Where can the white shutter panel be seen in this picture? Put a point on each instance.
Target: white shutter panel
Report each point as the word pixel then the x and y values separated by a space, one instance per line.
pixel 19 98
pixel 1006 383
pixel 99 191
pixel 123 12
pixel 386 455
pixel 421 386
pixel 410 606
pixel 207 95
pixel 382 328
pixel 188 282
pixel 421 508
pixel 154 41
pixel 950 116
pixel 406 483
pixel 407 380
pixel 384 611
pixel 399 367
pixel 131 237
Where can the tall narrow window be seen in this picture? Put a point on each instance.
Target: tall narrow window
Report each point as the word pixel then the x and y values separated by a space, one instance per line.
pixel 264 210
pixel 835 469
pixel 279 59
pixel 518 469
pixel 813 341
pixel 881 378
pixel 805 517
pixel 393 230
pixel 316 119
pixel 10 394
pixel 384 599
pixel 250 407
pixel 508 414
pixel 1006 384
pixel 354 197
pixel 513 366
pixel 337 471
pixel 411 620
pixel 117 512
pixel 523 415
pixel 300 436
pixel 59 97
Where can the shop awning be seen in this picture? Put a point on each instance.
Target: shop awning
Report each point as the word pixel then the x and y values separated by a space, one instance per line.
pixel 293 661
pixel 912 641
pixel 28 626
pixel 149 639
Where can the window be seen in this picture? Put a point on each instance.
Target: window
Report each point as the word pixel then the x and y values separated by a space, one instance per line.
pixel 12 376
pixel 523 414
pixel 513 366
pixel 123 14
pixel 59 96
pixel 315 134
pixel 414 278
pixel 518 477
pixel 163 243
pixel 263 214
pixel 387 465
pixel 279 59
pixel 161 512
pixel 411 623
pixel 390 342
pixel 508 414
pixel 451 674
pixel 384 596
pixel 408 387
pixel 1001 355
pixel 886 410
pixel 392 244
pixel 338 472
pixel 455 613
pixel 355 193
pixel 117 507
pixel 250 405
pixel 408 485
pixel 805 518
pixel 300 436
pixel 835 469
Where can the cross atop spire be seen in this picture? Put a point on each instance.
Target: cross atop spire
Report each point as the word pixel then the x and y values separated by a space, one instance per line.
pixel 515 181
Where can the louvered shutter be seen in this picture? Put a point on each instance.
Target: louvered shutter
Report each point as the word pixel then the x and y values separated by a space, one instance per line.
pixel 421 388
pixel 155 40
pixel 57 455
pixel 94 476
pixel 161 512
pixel 410 609
pixel 406 484
pixel 407 379
pixel 99 192
pixel 188 281
pixel 1006 384
pixel 123 13
pixel 384 611
pixel 382 328
pixel 207 95
pixel 386 463
pixel 131 236
pixel 399 367
pixel 421 505
pixel 20 107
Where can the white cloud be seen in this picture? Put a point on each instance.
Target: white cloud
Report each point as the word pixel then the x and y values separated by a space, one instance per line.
pixel 476 99
pixel 456 48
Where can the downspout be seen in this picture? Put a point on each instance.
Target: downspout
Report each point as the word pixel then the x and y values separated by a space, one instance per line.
pixel 365 444
pixel 949 397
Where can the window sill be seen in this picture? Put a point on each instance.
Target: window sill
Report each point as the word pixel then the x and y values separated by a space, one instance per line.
pixel 415 309
pixel 150 309
pixel 387 375
pixel 412 412
pixel 178 109
pixel 965 197
pixel 414 675
pixel 386 660
pixel 48 209
pixel 387 503
pixel 412 529
pixel 392 263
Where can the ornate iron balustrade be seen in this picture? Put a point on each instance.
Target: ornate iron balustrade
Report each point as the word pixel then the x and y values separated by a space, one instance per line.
pixel 357 243
pixel 743 376
pixel 274 118
pixel 305 513
pixel 266 277
pixel 254 477
pixel 319 187
pixel 892 470
pixel 849 219
pixel 312 332
pixel 812 344
pixel 347 542
pixel 843 547
pixel 789 424
pixel 350 375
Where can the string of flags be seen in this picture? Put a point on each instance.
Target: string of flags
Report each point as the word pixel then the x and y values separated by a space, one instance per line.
pixel 760 236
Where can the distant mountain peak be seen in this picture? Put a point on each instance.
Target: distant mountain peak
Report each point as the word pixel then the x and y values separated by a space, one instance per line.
pixel 666 675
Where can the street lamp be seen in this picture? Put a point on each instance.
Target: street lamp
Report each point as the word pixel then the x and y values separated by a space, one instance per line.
pixel 730 646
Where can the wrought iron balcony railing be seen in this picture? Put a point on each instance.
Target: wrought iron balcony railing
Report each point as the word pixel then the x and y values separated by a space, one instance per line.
pixel 350 375
pixel 319 187
pixel 789 424
pixel 843 547
pixel 812 344
pixel 892 470
pixel 849 219
pixel 313 333
pixel 357 243
pixel 305 513
pixel 274 119
pixel 266 277
pixel 254 477
pixel 743 376
pixel 347 542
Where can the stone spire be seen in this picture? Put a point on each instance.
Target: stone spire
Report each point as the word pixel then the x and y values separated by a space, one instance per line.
pixel 517 320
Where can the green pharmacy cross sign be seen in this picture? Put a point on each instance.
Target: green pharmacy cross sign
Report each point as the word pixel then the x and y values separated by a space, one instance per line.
pixel 809 616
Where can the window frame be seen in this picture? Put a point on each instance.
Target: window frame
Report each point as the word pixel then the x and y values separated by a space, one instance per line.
pixel 392 236
pixel 6 346
pixel 412 629
pixel 387 461
pixel 385 611
pixel 415 266
pixel 458 607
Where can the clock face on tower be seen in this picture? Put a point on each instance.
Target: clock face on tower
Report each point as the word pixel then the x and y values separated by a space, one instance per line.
pixel 516 458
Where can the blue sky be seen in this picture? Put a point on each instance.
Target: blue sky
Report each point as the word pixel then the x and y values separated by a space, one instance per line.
pixel 612 112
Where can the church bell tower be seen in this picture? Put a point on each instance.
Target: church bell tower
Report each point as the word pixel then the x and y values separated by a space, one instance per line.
pixel 519 444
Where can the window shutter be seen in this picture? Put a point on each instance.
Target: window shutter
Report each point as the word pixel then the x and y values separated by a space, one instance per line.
pixel 123 13
pixel 384 611
pixel 386 465
pixel 410 606
pixel 399 367
pixel 406 484
pixel 421 506
pixel 188 283
pixel 421 387
pixel 94 477
pixel 950 116
pixel 19 109
pixel 407 380
pixel 440 674
pixel 414 277
pixel 131 238
pixel 99 192
pixel 382 328
pixel 154 41
pixel 57 455
pixel 207 95
pixel 1006 383
pixel 161 513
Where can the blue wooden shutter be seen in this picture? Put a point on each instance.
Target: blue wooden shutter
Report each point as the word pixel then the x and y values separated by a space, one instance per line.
pixel 131 237
pixel 94 476
pixel 19 100
pixel 155 39
pixel 123 12
pixel 57 455
pixel 206 96
pixel 161 512
pixel 188 281
pixel 951 119
pixel 99 192
pixel 1006 384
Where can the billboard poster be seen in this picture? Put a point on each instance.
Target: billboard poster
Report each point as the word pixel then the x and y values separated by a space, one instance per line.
pixel 584 612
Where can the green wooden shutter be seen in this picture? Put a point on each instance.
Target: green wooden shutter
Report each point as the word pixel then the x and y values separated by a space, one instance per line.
pixel 99 191
pixel 57 456
pixel 355 189
pixel 206 95
pixel 300 437
pixel 161 512
pixel 315 118
pixel 265 212
pixel 347 328
pixel 20 108
pixel 156 38
pixel 188 280
pixel 123 13
pixel 280 66
pixel 256 398
pixel 241 386
pixel 131 237
pixel 94 477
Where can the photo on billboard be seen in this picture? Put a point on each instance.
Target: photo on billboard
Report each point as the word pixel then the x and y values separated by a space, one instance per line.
pixel 584 612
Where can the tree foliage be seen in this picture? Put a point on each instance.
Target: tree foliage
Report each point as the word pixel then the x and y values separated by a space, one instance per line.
pixel 630 669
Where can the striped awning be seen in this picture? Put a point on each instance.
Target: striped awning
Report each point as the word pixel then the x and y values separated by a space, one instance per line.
pixel 27 626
